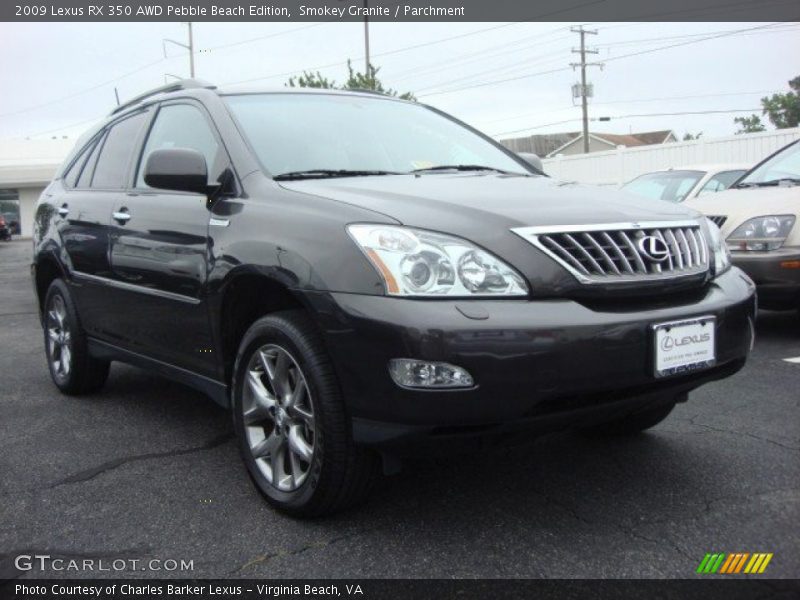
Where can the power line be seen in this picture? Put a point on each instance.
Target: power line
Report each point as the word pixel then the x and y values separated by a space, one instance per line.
pixel 442 65
pixel 81 92
pixel 261 37
pixel 147 66
pixel 387 53
pixel 523 65
pixel 48 131
pixel 636 101
pixel 788 28
pixel 638 53
pixel 619 117
pixel 713 37
pixel 416 46
pixel 542 59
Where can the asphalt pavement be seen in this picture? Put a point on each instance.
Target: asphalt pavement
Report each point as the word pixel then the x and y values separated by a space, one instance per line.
pixel 147 469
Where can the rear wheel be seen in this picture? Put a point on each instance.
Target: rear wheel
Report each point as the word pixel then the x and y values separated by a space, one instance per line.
pixel 294 434
pixel 72 369
pixel 632 423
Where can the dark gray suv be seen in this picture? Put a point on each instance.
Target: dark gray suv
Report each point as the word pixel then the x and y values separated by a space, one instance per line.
pixel 360 278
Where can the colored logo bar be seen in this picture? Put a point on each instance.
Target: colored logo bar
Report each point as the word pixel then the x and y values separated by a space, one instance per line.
pixel 737 562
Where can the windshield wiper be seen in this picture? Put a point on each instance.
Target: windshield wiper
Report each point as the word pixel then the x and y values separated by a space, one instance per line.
pixel 770 183
pixel 461 168
pixel 326 173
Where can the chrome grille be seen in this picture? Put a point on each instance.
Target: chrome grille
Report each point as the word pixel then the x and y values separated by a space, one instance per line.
pixel 718 220
pixel 624 252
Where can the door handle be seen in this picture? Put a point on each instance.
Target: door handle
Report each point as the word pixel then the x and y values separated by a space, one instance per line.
pixel 63 211
pixel 121 215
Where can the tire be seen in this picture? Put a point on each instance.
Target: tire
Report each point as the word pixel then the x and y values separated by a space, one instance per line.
pixel 72 369
pixel 291 423
pixel 633 423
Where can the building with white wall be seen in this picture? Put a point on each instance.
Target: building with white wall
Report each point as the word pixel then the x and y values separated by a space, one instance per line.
pixel 26 167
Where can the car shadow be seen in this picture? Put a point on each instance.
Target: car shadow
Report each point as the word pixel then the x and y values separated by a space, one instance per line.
pixel 778 325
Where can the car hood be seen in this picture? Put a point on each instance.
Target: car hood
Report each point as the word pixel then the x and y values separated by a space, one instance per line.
pixel 740 204
pixel 473 204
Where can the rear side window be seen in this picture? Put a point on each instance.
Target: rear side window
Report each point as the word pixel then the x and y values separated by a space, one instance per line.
pixel 182 126
pixel 71 176
pixel 85 175
pixel 115 155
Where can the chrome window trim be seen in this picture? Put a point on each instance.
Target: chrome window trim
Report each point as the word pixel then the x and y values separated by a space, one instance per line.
pixel 531 235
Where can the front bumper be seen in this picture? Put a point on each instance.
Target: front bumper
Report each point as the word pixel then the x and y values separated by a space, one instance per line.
pixel 531 360
pixel 776 275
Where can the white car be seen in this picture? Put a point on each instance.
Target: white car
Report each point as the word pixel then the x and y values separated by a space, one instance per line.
pixel 679 184
pixel 758 217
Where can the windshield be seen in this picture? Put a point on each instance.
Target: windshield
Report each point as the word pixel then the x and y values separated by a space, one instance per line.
pixel 785 165
pixel 672 186
pixel 293 133
pixel 721 181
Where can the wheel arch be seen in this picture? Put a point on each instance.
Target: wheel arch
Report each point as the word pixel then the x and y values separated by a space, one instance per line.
pixel 244 298
pixel 48 268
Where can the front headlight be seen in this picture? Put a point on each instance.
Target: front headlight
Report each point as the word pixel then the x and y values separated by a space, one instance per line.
pixel 761 233
pixel 415 262
pixel 722 257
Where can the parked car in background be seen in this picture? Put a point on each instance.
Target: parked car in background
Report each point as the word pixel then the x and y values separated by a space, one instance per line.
pixel 12 222
pixel 758 217
pixel 676 185
pixel 5 230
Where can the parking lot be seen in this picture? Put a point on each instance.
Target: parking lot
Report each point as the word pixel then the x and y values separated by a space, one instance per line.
pixel 148 469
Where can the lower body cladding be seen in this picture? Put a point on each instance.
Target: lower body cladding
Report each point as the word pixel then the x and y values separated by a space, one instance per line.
pixel 776 274
pixel 538 365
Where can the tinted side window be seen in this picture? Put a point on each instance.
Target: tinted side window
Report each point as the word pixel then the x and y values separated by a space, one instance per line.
pixel 71 176
pixel 182 126
pixel 85 175
pixel 115 156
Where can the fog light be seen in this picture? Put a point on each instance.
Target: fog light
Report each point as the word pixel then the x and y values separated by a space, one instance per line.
pixel 407 372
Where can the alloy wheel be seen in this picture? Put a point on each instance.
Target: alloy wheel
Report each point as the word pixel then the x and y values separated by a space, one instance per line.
pixel 278 415
pixel 59 337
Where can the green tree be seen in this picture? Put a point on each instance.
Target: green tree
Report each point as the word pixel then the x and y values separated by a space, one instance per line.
pixel 692 136
pixel 355 81
pixel 311 80
pixel 784 109
pixel 751 124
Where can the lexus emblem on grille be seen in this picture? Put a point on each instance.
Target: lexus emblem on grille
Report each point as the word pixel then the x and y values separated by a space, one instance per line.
pixel 653 248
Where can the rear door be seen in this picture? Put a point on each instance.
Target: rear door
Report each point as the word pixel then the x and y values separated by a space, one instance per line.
pixel 84 209
pixel 160 247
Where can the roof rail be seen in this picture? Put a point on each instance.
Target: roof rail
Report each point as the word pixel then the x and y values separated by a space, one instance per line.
pixel 175 86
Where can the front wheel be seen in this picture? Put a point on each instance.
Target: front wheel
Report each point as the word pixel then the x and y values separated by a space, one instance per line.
pixel 289 417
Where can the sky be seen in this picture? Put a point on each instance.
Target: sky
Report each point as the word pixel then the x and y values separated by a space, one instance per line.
pixel 506 79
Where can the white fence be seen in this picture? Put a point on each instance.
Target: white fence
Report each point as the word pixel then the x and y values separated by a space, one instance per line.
pixel 614 167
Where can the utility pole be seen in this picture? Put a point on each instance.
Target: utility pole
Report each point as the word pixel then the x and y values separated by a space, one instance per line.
pixel 191 50
pixel 584 90
pixel 189 47
pixel 366 39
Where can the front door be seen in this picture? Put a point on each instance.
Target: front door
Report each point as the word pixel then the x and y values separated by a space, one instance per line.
pixel 160 249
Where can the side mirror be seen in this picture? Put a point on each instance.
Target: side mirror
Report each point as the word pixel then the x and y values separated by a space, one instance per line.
pixel 532 159
pixel 179 169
